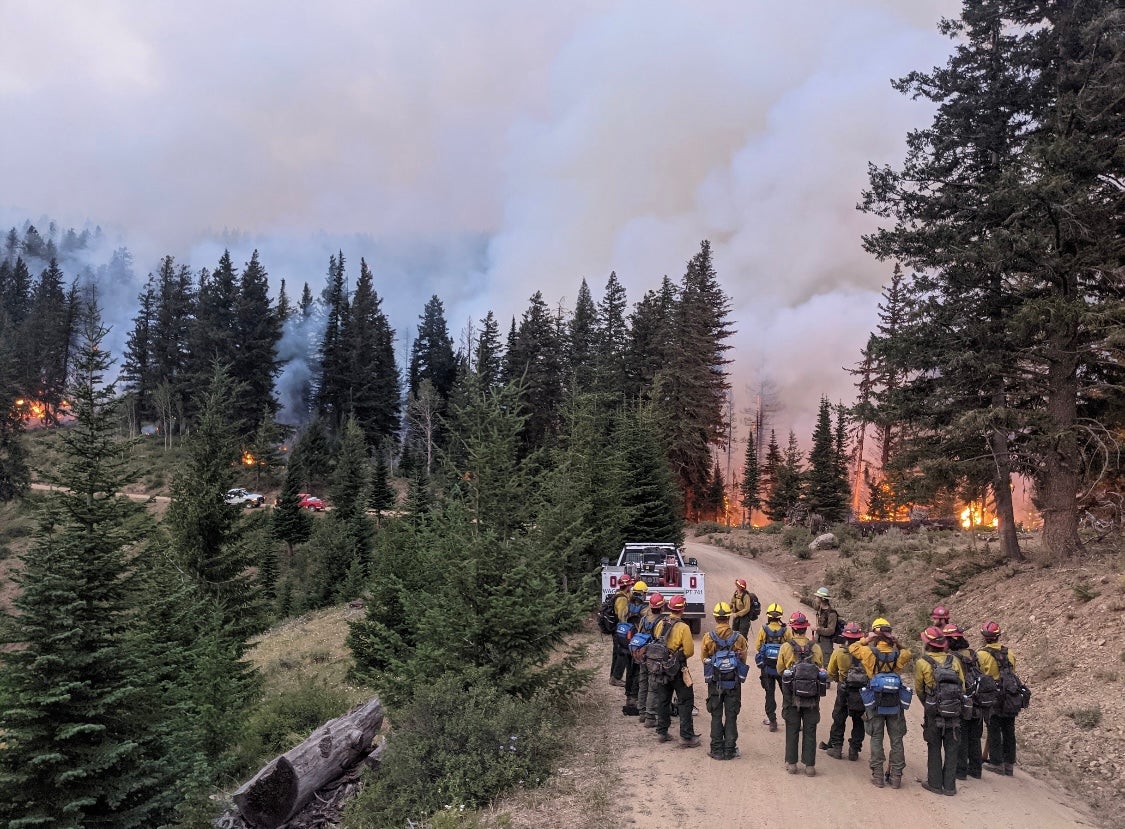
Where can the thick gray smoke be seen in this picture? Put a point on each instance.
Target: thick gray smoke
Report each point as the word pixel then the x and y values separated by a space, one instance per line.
pixel 481 151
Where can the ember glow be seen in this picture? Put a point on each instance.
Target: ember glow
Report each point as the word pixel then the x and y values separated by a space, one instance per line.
pixel 248 459
pixel 974 516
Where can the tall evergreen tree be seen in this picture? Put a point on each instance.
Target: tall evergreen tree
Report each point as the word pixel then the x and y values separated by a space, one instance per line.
pixel 255 364
pixel 536 361
pixel 373 384
pixel 78 719
pixel 431 356
pixel 290 523
pixel 137 373
pixel 750 485
pixel 489 360
pixel 169 341
pixel 784 500
pixel 581 342
pixel 381 495
pixel 651 338
pixel 823 491
pixel 333 403
pixel 612 338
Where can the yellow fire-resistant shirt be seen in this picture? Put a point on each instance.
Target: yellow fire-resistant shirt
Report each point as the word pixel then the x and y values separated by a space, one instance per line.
pixel 839 664
pixel 986 656
pixel 679 638
pixel 773 627
pixel 621 607
pixel 723 631
pixel 740 603
pixel 864 654
pixel 924 672
pixel 787 657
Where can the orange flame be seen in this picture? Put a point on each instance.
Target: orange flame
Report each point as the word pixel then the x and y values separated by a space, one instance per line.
pixel 974 516
pixel 248 459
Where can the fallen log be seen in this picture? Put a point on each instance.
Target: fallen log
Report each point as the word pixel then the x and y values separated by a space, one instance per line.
pixel 285 784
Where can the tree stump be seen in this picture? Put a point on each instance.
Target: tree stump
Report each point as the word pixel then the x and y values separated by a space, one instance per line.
pixel 285 784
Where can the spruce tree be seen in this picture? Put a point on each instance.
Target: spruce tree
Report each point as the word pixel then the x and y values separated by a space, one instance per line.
pixel 431 356
pixel 489 362
pixel 373 384
pixel 536 362
pixel 581 342
pixel 750 485
pixel 78 718
pixel 291 524
pixel 381 495
pixel 15 475
pixel 335 357
pixel 822 482
pixel 254 366
pixel 612 338
pixel 784 501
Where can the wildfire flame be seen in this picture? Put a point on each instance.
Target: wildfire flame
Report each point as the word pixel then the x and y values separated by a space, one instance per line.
pixel 35 411
pixel 248 459
pixel 974 516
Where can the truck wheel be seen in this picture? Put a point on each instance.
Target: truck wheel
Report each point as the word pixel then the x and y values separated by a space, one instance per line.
pixel 695 625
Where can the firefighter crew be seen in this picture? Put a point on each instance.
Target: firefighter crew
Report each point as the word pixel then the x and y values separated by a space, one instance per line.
pixel 1001 727
pixel 724 694
pixel 848 704
pixel 826 619
pixel 893 658
pixel 638 604
pixel 968 752
pixel 744 608
pixel 679 641
pixel 800 722
pixel 776 632
pixel 620 652
pixel 942 735
pixel 646 691
pixel 940 617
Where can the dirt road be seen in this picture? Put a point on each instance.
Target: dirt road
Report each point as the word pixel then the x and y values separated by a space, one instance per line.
pixel 666 785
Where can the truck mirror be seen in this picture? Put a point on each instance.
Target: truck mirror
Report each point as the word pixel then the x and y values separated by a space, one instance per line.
pixel 605 561
pixel 693 562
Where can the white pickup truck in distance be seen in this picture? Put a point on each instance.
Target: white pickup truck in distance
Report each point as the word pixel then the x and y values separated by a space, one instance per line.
pixel 662 567
pixel 241 497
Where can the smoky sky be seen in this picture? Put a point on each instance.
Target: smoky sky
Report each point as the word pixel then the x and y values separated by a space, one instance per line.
pixel 485 150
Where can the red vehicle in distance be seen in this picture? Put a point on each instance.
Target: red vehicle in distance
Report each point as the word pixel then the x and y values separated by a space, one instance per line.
pixel 308 501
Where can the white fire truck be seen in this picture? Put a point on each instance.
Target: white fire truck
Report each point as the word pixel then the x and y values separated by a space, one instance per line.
pixel 663 568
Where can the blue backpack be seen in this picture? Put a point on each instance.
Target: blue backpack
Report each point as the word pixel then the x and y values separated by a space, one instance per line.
pixel 624 631
pixel 885 694
pixel 725 667
pixel 766 657
pixel 641 638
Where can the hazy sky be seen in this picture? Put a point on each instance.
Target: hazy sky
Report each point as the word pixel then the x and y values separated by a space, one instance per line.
pixel 483 150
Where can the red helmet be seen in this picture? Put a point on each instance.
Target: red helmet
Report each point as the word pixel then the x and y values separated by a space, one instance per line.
pixel 940 614
pixel 852 630
pixel 625 580
pixel 990 631
pixel 933 637
pixel 740 584
pixel 953 632
pixel 656 601
pixel 798 621
pixel 677 603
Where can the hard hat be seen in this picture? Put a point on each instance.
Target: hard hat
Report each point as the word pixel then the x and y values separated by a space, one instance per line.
pixel 740 584
pixel 940 614
pixel 953 632
pixel 822 593
pixel 624 581
pixel 798 621
pixel 677 604
pixel 933 637
pixel 774 610
pixel 656 601
pixel 722 609
pixel 640 587
pixel 990 631
pixel 881 624
pixel 852 630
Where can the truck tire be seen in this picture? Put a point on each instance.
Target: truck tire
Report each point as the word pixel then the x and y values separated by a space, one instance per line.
pixel 695 626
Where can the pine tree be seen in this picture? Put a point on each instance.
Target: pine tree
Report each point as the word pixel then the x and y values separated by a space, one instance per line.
pixel 255 364
pixel 381 495
pixel 373 392
pixel 79 720
pixel 489 358
pixel 335 359
pixel 581 342
pixel 169 342
pixel 715 496
pixel 750 485
pixel 207 538
pixel 784 501
pixel 291 524
pixel 651 499
pixel 612 338
pixel 822 482
pixel 536 362
pixel 137 375
pixel 431 356
pixel 283 308
pixel 651 339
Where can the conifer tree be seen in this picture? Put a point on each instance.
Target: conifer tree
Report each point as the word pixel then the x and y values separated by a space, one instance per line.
pixel 335 358
pixel 612 338
pixel 785 497
pixel 651 501
pixel 651 339
pixel 290 523
pixel 80 723
pixel 581 342
pixel 536 361
pixel 431 356
pixel 489 360
pixel 373 385
pixel 254 366
pixel 823 491
pixel 750 485
pixel 381 496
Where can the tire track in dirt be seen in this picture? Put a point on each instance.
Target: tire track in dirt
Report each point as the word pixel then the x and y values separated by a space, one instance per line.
pixel 661 783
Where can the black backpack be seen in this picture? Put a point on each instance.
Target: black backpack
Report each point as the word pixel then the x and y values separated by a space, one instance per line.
pixel 803 681
pixel 945 700
pixel 855 680
pixel 607 615
pixel 979 686
pixel 663 664
pixel 1013 695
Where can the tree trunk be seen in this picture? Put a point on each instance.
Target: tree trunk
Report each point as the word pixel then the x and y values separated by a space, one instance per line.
pixel 1060 476
pixel 1002 489
pixel 285 784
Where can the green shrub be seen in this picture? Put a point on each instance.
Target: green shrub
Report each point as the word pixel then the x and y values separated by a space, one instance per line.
pixel 847 550
pixel 1084 591
pixel 795 537
pixel 283 720
pixel 881 562
pixel 752 550
pixel 458 743
pixel 708 527
pixel 1086 718
pixel 772 529
pixel 803 553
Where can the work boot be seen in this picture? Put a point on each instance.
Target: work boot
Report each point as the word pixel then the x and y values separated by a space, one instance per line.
pixel 1009 769
pixel 650 721
pixel 837 752
pixel 929 788
pixel 895 780
pixel 771 723
pixel 791 768
pixel 825 746
pixel 810 771
pixel 616 683
pixel 877 778
pixel 853 753
pixel 962 775
pixel 715 756
pixel 996 768
pixel 663 737
pixel 642 718
pixel 690 742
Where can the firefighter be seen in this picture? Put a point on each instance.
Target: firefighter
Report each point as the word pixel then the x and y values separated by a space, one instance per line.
pixel 1001 721
pixel 826 619
pixel 724 692
pixel 942 734
pixel 773 633
pixel 848 703
pixel 881 652
pixel 646 690
pixel 800 720
pixel 972 729
pixel 744 608
pixel 638 604
pixel 677 636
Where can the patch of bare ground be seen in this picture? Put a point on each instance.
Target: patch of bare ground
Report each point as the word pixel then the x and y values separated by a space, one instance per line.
pixel 1065 623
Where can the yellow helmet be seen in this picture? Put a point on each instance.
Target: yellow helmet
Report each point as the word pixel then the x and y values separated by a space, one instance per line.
pixel 640 587
pixel 774 610
pixel 881 624
pixel 722 609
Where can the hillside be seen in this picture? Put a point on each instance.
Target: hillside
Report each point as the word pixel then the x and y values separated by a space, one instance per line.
pixel 1071 737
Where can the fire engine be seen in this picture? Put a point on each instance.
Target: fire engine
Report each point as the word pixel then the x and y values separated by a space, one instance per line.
pixel 664 569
